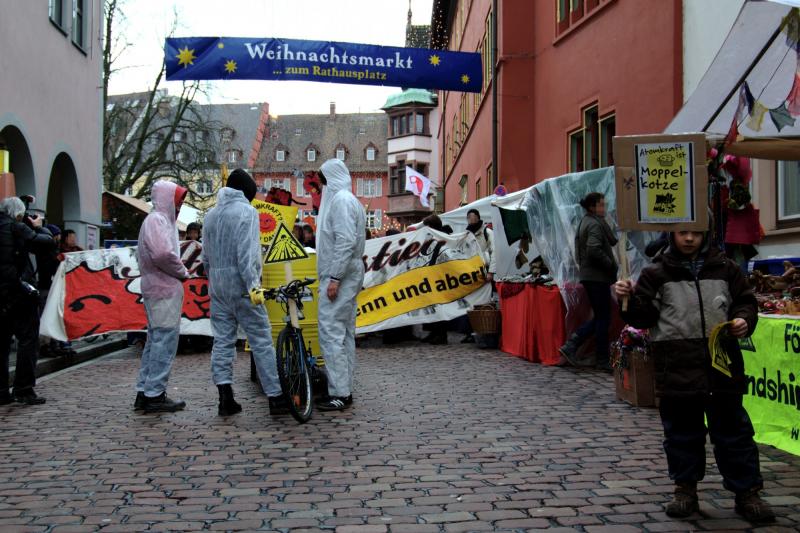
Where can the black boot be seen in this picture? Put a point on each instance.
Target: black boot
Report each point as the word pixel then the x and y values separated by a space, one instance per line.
pixel 162 404
pixel 570 350
pixel 138 404
pixel 227 405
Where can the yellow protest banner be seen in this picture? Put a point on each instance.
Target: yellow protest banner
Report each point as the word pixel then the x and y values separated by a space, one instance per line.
pixel 284 247
pixel 419 288
pixel 271 216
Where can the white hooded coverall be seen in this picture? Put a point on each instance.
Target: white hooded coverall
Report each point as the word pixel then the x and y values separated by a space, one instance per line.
pixel 341 231
pixel 232 259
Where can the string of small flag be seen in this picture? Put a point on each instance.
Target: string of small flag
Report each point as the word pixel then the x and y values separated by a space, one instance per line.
pixel 784 114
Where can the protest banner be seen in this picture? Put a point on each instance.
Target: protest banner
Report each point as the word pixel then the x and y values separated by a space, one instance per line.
pixel 271 216
pixel 772 368
pixel 420 277
pixel 245 58
pixel 661 182
pixel 99 291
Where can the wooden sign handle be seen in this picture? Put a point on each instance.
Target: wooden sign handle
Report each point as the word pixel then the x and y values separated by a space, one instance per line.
pixel 624 267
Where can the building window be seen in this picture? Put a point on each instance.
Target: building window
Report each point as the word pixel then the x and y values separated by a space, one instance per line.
pixel 478 192
pixel 227 135
pixel 311 155
pixel 178 137
pixel 608 128
pixel 788 193
pixel 280 155
pixel 570 12
pixel 233 156
pixel 78 22
pixel 369 187
pixel 397 178
pixel 590 146
pixel 301 192
pixel 205 186
pixel 278 183
pixel 463 182
pixel 420 121
pixel 370 154
pixel 298 131
pixel 340 154
pixel 362 131
pixel 490 179
pixel 56 10
pixel 180 157
pixel 374 219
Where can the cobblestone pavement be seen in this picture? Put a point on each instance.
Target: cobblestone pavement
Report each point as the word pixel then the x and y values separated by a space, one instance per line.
pixel 448 438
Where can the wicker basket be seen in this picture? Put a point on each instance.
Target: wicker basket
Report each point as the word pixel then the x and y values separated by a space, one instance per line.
pixel 484 319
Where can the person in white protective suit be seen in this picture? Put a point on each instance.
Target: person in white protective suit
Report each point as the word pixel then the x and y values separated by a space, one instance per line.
pixel 341 235
pixel 162 273
pixel 232 260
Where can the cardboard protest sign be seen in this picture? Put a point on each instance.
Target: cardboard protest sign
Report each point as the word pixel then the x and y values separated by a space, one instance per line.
pixel 661 182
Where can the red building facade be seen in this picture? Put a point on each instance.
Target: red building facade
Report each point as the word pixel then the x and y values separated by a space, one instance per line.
pixel 570 75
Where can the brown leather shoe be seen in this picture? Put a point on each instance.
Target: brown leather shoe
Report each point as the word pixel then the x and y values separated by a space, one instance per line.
pixel 752 508
pixel 684 501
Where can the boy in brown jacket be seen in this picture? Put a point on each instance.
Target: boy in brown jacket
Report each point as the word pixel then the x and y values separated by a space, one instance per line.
pixel 681 297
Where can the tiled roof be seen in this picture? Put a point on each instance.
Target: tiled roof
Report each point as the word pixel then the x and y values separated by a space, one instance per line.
pixel 295 133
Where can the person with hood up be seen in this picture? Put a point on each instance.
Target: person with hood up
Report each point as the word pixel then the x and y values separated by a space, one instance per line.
pixel 232 260
pixel 681 298
pixel 162 274
pixel 341 233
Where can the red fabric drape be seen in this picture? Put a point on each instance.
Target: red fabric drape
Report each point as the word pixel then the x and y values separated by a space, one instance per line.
pixel 533 321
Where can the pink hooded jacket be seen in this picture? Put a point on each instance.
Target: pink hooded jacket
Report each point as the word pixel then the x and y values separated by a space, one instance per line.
pixel 159 260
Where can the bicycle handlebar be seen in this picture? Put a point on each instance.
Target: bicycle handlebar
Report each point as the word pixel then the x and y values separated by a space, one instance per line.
pixel 290 290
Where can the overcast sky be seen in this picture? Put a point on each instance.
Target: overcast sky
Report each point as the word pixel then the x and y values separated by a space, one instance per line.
pixel 357 21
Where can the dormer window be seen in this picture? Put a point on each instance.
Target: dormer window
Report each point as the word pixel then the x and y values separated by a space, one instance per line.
pixel 311 154
pixel 340 154
pixel 280 155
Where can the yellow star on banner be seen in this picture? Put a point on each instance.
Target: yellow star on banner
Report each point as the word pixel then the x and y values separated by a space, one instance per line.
pixel 186 57
pixel 220 45
pixel 230 66
pixel 465 79
pixel 435 60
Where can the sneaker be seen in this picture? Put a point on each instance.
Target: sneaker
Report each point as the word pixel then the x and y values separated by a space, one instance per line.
pixel 28 398
pixel 335 403
pixel 163 404
pixel 278 405
pixel 753 509
pixel 684 501
pixel 138 404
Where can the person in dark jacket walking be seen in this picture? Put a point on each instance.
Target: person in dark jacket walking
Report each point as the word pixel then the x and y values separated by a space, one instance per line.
pixel 19 298
pixel 681 297
pixel 594 240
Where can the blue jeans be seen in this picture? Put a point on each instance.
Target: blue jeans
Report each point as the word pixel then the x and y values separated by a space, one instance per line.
pixel 226 315
pixel 731 434
pixel 159 352
pixel 599 294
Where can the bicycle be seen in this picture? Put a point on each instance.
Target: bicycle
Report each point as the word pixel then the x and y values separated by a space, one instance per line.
pixel 296 364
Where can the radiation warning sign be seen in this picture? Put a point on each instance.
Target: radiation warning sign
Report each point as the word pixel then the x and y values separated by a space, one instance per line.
pixel 284 247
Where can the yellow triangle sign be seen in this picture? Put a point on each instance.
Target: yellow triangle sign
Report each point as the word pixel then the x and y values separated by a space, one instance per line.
pixel 284 247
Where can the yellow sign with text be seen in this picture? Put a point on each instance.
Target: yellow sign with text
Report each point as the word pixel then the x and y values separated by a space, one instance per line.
pixel 419 288
pixel 665 182
pixel 271 216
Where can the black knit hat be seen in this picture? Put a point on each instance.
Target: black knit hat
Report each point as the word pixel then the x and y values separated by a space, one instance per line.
pixel 241 181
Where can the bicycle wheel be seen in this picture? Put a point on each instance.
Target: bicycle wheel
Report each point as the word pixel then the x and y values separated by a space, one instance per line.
pixel 294 375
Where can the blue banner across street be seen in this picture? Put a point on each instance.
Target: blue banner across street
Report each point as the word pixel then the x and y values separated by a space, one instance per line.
pixel 241 58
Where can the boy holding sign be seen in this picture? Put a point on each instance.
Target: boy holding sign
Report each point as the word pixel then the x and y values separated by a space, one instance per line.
pixel 681 297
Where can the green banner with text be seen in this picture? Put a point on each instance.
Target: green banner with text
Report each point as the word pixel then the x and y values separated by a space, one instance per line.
pixel 772 365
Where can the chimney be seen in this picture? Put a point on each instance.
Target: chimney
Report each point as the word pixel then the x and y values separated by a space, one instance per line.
pixel 333 111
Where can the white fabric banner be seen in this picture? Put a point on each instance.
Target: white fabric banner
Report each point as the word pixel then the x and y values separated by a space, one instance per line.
pixel 420 277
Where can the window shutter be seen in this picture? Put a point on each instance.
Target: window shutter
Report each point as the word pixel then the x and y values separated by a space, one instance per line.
pixel 360 187
pixel 378 218
pixel 378 187
pixel 300 191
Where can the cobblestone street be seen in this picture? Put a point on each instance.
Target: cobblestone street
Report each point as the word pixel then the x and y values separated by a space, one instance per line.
pixel 448 438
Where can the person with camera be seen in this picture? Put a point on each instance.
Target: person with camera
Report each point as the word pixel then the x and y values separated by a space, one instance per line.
pixel 20 235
